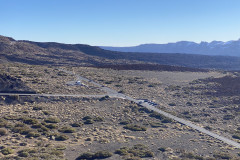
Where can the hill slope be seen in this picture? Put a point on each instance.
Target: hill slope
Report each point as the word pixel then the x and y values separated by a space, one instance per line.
pixel 50 53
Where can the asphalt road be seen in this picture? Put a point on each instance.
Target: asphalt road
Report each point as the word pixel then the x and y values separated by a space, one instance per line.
pixel 54 95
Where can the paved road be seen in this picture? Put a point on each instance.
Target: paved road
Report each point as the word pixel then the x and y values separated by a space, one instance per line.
pixel 113 93
pixel 54 95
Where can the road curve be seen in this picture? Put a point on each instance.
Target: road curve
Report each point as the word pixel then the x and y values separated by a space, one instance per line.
pixel 115 94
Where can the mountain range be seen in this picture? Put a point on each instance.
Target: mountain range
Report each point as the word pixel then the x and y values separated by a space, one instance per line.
pixel 52 53
pixel 230 48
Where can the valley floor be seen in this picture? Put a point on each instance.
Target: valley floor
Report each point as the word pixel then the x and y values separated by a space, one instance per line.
pixel 65 127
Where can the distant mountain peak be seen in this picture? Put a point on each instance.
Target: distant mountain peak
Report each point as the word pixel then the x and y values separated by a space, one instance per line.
pixel 228 48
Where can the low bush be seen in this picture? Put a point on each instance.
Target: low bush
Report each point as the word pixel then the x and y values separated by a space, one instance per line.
pixel 125 122
pixel 37 108
pixel 172 104
pixel 222 155
pixel 166 120
pixel 156 124
pixel 67 130
pixel 138 150
pixel 61 137
pixel 6 151
pixel 22 130
pixel 162 149
pixel 52 120
pixel 25 152
pixel 3 132
pixel 102 155
pixel 228 117
pixel 157 115
pixel 97 155
pixel 3 122
pixel 89 121
pixel 30 120
pixel 32 134
pixel 86 155
pixel 134 127
pixel 51 126
pixel 76 124
pixel 98 119
pixel 236 136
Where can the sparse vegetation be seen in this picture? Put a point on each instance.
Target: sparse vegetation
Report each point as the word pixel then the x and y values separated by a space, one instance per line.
pixel 3 132
pixel 138 150
pixel 6 151
pixel 97 155
pixel 67 130
pixel 134 127
pixel 61 137
pixel 52 120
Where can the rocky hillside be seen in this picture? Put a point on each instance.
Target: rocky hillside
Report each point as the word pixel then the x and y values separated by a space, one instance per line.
pixel 50 53
pixel 13 85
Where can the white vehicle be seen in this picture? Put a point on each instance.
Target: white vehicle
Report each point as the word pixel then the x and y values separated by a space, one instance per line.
pixel 78 83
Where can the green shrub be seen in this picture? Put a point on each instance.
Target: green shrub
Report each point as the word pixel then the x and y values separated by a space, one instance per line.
pixel 98 119
pixel 38 125
pixel 122 151
pixel 51 126
pixel 163 149
pixel 76 124
pixel 11 117
pixel 86 118
pixel 86 155
pixel 157 115
pixel 3 132
pixel 156 124
pixel 52 120
pixel 104 98
pixel 208 127
pixel 228 117
pixel 172 104
pixel 138 150
pixel 125 122
pixel 57 153
pixel 236 136
pixel 97 155
pixel 30 120
pixel 61 137
pixel 89 121
pixel 102 155
pixel 3 122
pixel 23 153
pixel 222 155
pixel 24 130
pixel 43 129
pixel 37 108
pixel 67 130
pixel 6 151
pixel 166 120
pixel 143 109
pixel 46 112
pixel 134 127
pixel 32 134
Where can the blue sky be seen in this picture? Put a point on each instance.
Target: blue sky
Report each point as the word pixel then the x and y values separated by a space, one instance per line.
pixel 120 22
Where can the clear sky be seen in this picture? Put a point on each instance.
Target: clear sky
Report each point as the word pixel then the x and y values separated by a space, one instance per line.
pixel 120 22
